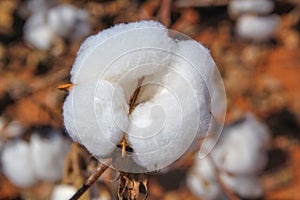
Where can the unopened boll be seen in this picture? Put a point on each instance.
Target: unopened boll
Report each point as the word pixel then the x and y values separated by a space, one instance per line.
pixel 172 108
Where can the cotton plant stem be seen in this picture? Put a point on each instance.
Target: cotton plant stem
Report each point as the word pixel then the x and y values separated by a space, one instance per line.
pixel 91 180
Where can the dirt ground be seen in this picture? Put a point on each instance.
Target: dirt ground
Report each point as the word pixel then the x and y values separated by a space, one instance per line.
pixel 263 78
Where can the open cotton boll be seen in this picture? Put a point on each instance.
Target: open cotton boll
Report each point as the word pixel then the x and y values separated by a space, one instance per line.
pixel 244 186
pixel 68 21
pixel 16 163
pixel 242 148
pixel 63 192
pixel 238 7
pixel 205 189
pixel 37 32
pixel 48 155
pixel 257 28
pixel 173 106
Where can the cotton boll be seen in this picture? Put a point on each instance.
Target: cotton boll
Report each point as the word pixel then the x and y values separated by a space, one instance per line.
pixel 242 149
pixel 245 186
pixel 63 192
pixel 238 7
pixel 257 28
pixel 64 20
pixel 16 163
pixel 204 168
pixel 173 106
pixel 37 32
pixel 202 188
pixel 48 155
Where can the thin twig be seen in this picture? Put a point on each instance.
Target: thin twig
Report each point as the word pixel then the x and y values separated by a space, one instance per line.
pixel 164 13
pixel 92 179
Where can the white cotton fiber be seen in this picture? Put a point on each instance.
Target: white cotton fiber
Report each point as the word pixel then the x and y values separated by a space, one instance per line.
pixel 64 20
pixel 238 7
pixel 48 155
pixel 37 32
pixel 93 118
pixel 174 103
pixel 245 186
pixel 205 189
pixel 63 192
pixel 68 21
pixel 16 163
pixel 128 49
pixel 243 147
pixel 257 28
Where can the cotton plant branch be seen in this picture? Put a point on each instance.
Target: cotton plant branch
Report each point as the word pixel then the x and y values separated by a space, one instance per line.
pixel 91 180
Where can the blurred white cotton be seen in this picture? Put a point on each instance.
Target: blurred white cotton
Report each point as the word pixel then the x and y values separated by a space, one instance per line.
pixel 63 20
pixel 238 7
pixel 63 192
pixel 16 163
pixel 237 160
pixel 48 155
pixel 257 28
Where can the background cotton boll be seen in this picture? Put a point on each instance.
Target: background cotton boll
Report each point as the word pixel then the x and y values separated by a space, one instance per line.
pixel 63 192
pixel 37 32
pixel 257 28
pixel 245 186
pixel 16 163
pixel 242 148
pixel 64 19
pixel 204 168
pixel 48 155
pixel 238 7
pixel 202 188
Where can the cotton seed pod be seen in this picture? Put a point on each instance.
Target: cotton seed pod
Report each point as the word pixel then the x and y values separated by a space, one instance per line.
pixel 173 106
